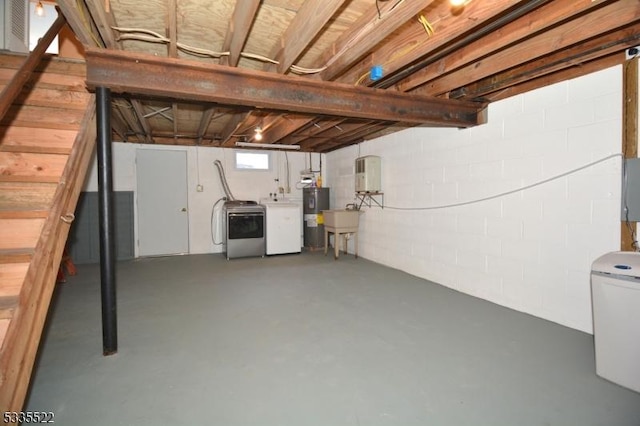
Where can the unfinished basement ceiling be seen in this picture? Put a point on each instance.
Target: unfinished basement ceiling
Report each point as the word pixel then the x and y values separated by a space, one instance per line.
pixel 208 72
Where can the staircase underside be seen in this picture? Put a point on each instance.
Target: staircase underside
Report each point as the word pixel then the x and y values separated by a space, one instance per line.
pixel 46 142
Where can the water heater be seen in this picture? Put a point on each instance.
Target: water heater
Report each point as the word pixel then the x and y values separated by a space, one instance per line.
pixel 368 174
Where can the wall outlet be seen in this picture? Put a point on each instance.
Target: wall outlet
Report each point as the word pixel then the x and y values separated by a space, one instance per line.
pixel 199 188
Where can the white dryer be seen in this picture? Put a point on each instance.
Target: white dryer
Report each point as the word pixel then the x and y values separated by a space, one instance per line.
pixel 284 225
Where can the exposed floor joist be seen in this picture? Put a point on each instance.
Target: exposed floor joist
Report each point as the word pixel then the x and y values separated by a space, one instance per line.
pixel 480 52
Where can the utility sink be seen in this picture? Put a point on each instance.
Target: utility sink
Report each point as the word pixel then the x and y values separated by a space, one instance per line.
pixel 339 222
pixel 341 218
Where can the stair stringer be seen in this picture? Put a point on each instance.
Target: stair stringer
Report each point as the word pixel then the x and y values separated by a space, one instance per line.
pixel 20 346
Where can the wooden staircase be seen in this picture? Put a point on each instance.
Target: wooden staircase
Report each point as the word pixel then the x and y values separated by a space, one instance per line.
pixel 47 138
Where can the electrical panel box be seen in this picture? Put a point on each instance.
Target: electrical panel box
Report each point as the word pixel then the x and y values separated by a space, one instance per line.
pixel 368 174
pixel 631 190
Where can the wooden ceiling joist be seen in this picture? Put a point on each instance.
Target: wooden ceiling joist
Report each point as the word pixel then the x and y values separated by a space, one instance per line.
pixel 412 42
pixel 556 77
pixel 368 31
pixel 290 124
pixel 205 120
pixel 608 16
pixel 339 130
pixel 129 117
pixel 575 56
pixel 147 75
pixel 243 15
pixel 305 26
pixel 308 22
pixel 430 52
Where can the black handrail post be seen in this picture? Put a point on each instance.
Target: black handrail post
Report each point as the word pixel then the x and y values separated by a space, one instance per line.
pixel 107 242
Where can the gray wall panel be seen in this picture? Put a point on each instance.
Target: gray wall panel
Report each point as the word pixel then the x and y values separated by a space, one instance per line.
pixel 83 243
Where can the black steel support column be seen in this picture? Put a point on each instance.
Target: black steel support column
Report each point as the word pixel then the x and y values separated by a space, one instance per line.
pixel 107 242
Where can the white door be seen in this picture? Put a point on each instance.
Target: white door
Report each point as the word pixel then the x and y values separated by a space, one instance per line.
pixel 163 220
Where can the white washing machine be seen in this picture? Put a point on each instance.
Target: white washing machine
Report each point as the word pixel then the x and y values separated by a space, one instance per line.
pixel 284 226
pixel 615 288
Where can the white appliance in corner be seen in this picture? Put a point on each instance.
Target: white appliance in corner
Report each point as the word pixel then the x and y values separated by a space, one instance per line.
pixel 368 174
pixel 14 26
pixel 284 224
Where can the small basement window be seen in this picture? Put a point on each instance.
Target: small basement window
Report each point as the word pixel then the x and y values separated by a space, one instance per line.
pixel 246 160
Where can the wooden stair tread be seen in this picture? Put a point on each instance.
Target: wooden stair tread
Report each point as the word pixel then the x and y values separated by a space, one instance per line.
pixel 26 195
pixel 29 179
pixel 29 139
pixel 4 325
pixel 52 97
pixel 17 255
pixel 29 167
pixel 23 214
pixel 20 233
pixel 47 136
pixel 8 304
pixel 12 276
pixel 34 149
pixel 47 117
pixel 51 65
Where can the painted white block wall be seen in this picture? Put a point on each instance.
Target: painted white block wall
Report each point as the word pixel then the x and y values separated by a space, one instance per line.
pixel 531 250
pixel 244 184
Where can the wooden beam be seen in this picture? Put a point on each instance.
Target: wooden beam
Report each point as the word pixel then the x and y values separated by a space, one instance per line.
pixel 242 127
pixel 630 108
pixel 536 22
pixel 308 22
pixel 409 43
pixel 238 31
pixel 131 122
pixel 605 19
pixel 13 89
pixel 172 33
pixel 231 128
pixel 630 140
pixel 370 29
pixel 148 75
pixel 312 128
pixel 288 124
pixel 332 132
pixel 556 77
pixel 356 136
pixel 172 28
pixel 412 42
pixel 69 9
pixel 572 57
pixel 76 20
pixel 103 21
pixel 146 128
pixel 207 116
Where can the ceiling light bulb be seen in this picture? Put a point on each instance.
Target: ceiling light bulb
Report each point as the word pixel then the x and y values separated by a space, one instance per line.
pixel 39 9
pixel 458 3
pixel 258 135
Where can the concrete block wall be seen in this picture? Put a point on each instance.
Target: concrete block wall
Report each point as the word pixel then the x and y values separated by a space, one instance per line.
pixel 529 250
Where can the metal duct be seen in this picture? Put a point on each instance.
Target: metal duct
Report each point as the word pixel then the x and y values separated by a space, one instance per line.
pixel 223 180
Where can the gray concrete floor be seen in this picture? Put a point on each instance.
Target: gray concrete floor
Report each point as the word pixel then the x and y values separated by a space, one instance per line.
pixel 306 340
